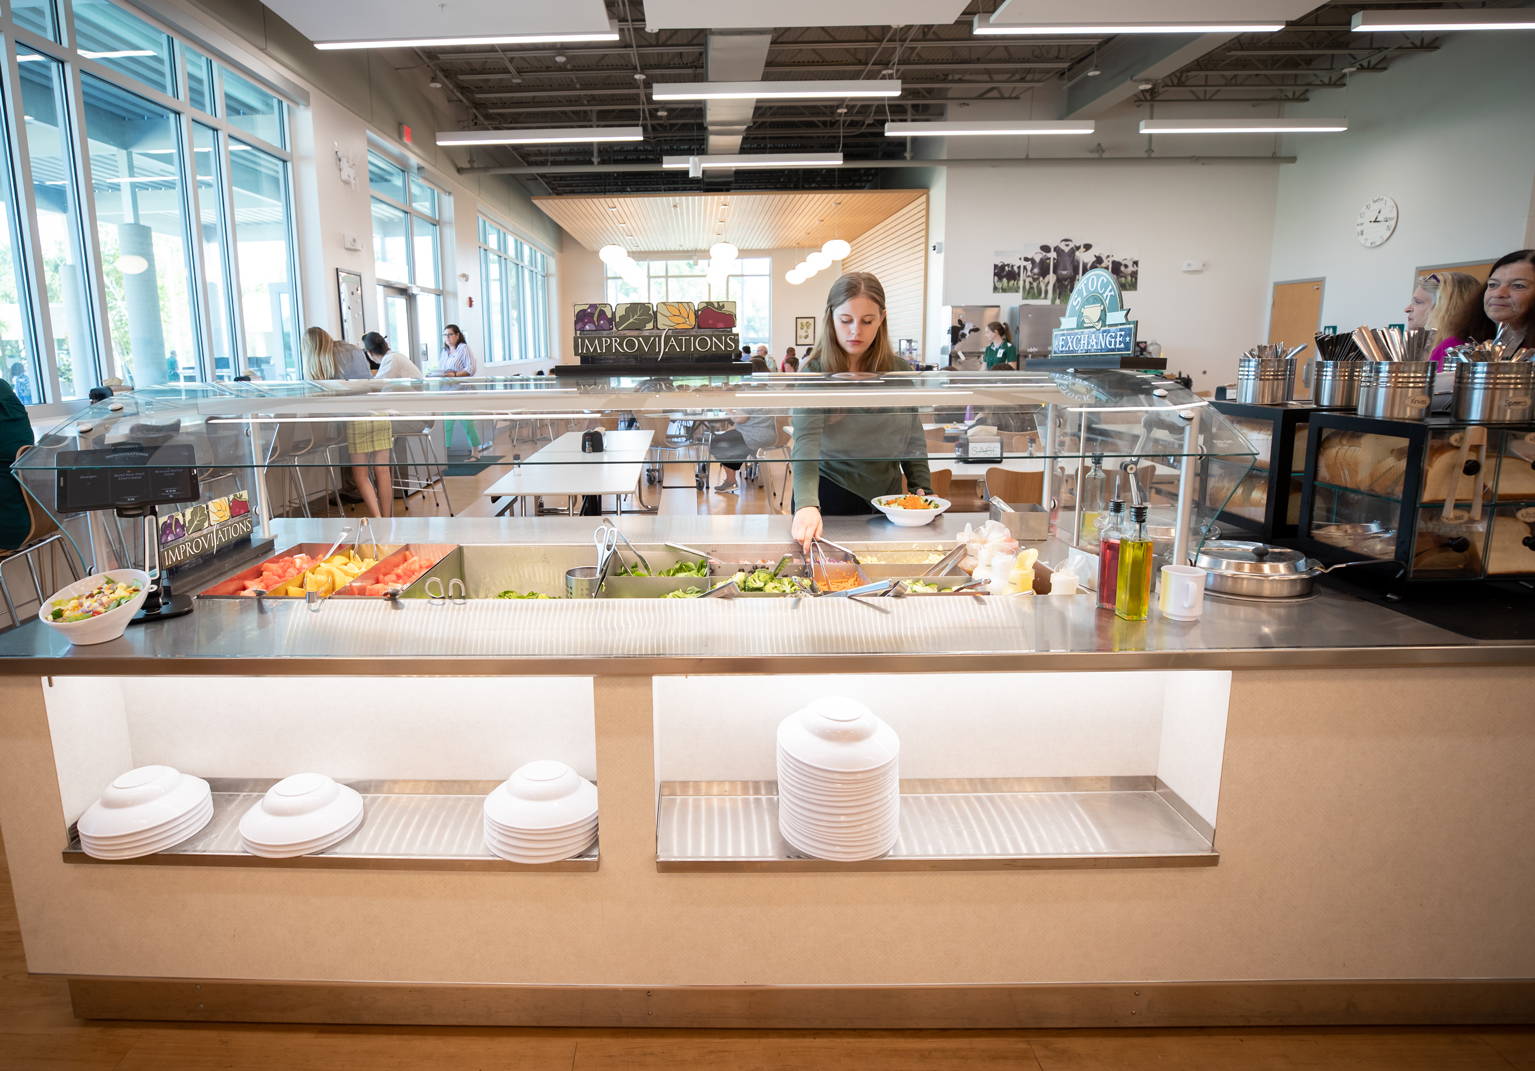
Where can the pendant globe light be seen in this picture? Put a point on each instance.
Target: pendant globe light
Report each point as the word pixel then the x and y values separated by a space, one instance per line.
pixel 836 248
pixel 794 276
pixel 819 260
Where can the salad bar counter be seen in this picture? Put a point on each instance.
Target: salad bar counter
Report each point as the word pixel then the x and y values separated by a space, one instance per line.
pixel 1098 821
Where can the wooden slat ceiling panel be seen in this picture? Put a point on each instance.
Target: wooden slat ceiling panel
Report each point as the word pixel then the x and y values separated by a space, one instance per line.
pixel 690 222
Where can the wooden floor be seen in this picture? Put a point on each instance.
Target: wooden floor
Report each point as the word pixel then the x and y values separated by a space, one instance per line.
pixel 38 1031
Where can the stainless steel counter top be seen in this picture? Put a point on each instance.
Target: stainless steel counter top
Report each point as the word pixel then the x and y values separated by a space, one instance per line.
pixel 637 636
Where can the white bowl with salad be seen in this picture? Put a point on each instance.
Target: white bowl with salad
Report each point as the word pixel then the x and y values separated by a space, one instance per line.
pixel 98 608
pixel 911 511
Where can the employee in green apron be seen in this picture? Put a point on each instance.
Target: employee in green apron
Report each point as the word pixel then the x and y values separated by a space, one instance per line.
pixel 999 348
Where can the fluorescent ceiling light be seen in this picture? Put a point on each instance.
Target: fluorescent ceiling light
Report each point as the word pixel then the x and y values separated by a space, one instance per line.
pixel 988 126
pixel 544 136
pixel 796 159
pixel 1243 126
pixel 984 25
pixel 122 53
pixel 773 90
pixel 1488 18
pixel 610 34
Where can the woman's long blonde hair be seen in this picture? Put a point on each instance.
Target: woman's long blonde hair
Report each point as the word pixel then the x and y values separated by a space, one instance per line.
pixel 319 355
pixel 880 356
pixel 1457 304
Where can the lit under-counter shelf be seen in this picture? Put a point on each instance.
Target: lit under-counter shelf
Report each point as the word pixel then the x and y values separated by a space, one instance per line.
pixel 407 825
pixel 978 824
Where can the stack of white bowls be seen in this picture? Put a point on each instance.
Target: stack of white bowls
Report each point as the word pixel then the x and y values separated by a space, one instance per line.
pixel 145 811
pixel 839 788
pixel 301 815
pixel 543 813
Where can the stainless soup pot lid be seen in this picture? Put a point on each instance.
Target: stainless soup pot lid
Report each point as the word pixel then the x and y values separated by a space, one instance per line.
pixel 1256 559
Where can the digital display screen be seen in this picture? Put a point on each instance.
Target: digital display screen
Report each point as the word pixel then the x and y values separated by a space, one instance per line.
pixel 126 475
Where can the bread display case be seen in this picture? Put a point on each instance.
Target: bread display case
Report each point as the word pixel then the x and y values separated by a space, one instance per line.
pixel 1443 500
pixel 1265 504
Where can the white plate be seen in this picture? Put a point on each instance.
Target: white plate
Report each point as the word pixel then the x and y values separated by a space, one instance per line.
pixel 910 518
pixel 828 776
pixel 157 844
pixel 542 795
pixel 541 844
pixel 108 626
pixel 290 851
pixel 303 809
pixel 838 735
pixel 196 820
pixel 539 836
pixel 851 833
pixel 142 801
pixel 518 854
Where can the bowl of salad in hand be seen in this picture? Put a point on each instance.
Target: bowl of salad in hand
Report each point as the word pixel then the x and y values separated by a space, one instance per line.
pixel 98 608
pixel 911 511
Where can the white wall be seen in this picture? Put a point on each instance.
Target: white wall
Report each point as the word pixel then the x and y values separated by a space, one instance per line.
pixel 1450 136
pixel 1221 214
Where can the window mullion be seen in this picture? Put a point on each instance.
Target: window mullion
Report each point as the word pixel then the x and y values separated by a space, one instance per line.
pixel 32 269
pixel 95 278
pixel 202 313
pixel 239 362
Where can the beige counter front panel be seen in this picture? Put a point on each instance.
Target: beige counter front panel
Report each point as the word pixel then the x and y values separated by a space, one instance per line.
pixel 1373 824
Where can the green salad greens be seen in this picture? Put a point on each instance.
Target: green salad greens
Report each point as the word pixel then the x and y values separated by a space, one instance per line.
pixel 520 595
pixel 698 568
pixel 763 580
pixel 684 593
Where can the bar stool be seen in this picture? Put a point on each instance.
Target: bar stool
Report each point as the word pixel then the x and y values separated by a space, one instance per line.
pixel 429 461
pixel 44 532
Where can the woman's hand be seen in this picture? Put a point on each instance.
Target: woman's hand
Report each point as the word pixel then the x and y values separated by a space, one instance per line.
pixel 807 526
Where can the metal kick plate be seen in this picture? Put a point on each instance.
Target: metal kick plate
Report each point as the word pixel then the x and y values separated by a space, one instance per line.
pixel 409 828
pixel 734 826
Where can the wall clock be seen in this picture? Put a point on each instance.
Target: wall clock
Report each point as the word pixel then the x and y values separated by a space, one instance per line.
pixel 1376 222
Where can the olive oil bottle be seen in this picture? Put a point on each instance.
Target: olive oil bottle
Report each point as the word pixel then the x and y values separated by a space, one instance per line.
pixel 1132 599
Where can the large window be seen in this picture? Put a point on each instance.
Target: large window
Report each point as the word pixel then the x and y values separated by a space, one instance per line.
pixel 747 282
pixel 515 278
pixel 136 240
pixel 408 259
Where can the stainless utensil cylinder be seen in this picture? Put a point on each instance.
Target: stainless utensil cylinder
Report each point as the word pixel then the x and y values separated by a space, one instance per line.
pixel 581 582
pixel 1335 384
pixel 1494 392
pixel 1396 390
pixel 1265 380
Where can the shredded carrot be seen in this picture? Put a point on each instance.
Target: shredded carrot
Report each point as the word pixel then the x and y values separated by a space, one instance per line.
pixel 911 502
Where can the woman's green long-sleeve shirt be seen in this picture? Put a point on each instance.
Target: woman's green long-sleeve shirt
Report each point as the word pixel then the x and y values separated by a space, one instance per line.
pixel 862 450
pixel 15 432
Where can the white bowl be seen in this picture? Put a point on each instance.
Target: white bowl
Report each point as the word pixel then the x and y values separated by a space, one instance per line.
pixel 304 813
pixel 839 735
pixel 910 518
pixel 518 852
pixel 143 801
pixel 194 819
pixel 554 833
pixel 543 795
pixel 108 626
pixel 150 843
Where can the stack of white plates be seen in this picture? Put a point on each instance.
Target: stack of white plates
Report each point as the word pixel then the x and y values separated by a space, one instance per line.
pixel 839 788
pixel 301 815
pixel 145 811
pixel 543 813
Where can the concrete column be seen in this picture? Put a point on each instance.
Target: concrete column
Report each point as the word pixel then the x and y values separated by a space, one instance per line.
pixel 141 292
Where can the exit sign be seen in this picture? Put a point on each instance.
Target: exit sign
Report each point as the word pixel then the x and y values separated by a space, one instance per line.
pixel 405 135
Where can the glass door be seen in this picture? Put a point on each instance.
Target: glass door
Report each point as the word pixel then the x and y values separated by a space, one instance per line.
pixel 395 319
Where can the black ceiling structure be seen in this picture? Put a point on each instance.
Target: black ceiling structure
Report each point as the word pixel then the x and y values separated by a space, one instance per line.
pixel 511 87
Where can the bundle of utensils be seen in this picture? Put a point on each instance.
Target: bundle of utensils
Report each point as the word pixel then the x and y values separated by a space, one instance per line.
pixel 1331 346
pixel 1395 344
pixel 1273 350
pixel 1495 350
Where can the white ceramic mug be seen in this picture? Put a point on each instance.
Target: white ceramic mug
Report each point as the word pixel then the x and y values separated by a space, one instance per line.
pixel 1183 592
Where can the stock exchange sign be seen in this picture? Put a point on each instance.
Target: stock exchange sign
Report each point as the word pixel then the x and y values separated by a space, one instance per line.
pixel 1095 323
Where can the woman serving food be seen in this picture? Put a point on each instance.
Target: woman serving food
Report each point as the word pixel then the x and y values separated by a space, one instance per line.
pixel 844 458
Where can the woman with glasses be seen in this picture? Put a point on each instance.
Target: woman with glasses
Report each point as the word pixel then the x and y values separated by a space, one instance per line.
pixel 457 360
pixel 1449 303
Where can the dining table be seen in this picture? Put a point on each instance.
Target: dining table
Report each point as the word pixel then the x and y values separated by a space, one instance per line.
pixel 562 468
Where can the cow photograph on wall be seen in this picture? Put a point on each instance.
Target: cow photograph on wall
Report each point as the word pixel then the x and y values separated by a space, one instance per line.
pixel 1051 274
pixel 1006 273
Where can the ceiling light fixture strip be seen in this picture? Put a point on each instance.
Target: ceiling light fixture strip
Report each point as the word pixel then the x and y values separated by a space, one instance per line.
pixel 783 90
pixel 544 136
pixel 573 36
pixel 989 127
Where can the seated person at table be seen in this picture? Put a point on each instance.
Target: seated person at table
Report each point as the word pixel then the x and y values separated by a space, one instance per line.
pixel 751 431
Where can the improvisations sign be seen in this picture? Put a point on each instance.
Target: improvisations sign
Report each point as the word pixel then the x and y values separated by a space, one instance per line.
pixel 665 332
pixel 1096 321
pixel 200 530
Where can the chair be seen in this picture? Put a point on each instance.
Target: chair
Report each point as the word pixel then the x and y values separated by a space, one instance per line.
pixel 942 480
pixel 43 532
pixel 433 474
pixel 1013 486
pixel 1020 444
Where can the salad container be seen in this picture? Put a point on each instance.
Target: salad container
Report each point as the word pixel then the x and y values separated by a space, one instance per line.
pixel 910 518
pixel 103 627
